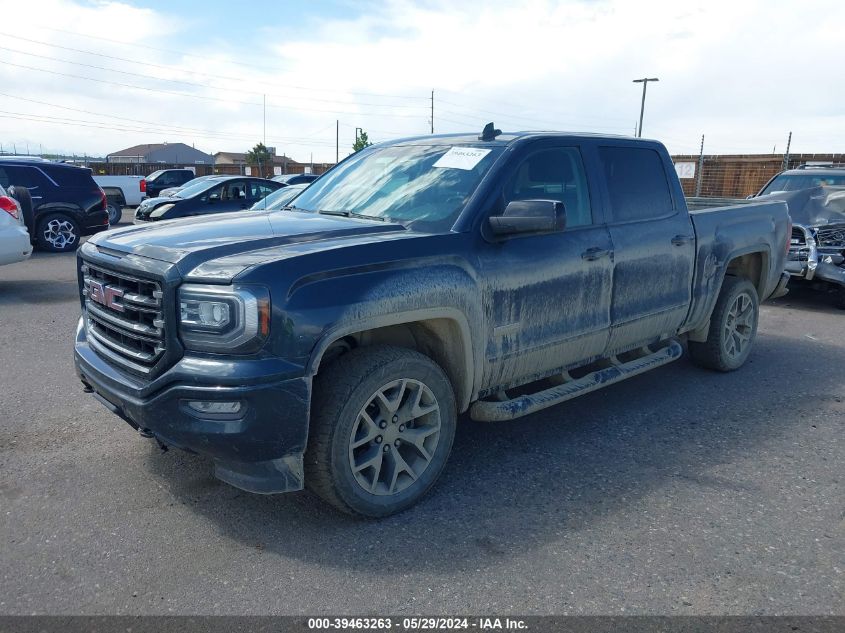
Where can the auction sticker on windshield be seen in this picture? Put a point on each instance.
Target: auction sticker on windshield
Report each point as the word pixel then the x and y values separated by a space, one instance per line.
pixel 461 158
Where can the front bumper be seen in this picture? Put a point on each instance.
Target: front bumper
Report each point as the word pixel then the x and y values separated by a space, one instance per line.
pixel 260 450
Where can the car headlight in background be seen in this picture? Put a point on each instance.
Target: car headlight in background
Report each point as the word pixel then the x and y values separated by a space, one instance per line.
pixel 234 319
pixel 160 211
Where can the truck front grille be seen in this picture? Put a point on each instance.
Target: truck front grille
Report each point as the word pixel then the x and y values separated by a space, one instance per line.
pixel 125 320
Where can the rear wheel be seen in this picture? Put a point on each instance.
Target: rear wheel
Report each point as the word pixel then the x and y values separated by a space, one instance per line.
pixel 733 327
pixel 58 233
pixel 382 426
pixel 115 211
pixel 24 198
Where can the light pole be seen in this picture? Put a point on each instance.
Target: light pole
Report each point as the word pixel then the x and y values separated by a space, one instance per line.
pixel 644 81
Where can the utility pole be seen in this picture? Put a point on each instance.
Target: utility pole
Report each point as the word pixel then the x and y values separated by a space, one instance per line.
pixel 265 122
pixel 337 142
pixel 700 168
pixel 358 131
pixel 786 156
pixel 432 111
pixel 644 81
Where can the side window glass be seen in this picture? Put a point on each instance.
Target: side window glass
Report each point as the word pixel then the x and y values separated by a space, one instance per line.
pixel 4 179
pixel 25 177
pixel 554 174
pixel 636 183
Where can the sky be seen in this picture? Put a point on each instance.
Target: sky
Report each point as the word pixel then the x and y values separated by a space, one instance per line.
pixel 89 77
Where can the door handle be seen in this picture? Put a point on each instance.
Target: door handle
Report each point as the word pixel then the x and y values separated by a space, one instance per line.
pixel 680 240
pixel 594 253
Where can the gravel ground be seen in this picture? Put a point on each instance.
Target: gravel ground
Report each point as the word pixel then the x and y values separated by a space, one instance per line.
pixel 680 491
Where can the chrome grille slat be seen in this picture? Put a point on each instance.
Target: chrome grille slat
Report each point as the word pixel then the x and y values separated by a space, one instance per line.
pixel 126 329
pixel 129 327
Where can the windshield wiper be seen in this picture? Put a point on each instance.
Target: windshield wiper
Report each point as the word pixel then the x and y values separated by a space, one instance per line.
pixel 352 214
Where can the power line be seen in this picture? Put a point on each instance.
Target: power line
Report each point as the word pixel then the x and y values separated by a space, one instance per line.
pixel 184 54
pixel 204 97
pixel 198 85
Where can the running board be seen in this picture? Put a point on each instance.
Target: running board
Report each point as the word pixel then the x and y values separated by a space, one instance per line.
pixel 501 410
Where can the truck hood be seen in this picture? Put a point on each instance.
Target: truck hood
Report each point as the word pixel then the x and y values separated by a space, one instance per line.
pixel 194 241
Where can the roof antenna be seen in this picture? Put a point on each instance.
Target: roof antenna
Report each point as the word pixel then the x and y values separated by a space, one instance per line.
pixel 489 133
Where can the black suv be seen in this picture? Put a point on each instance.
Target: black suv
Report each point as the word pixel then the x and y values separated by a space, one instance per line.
pixel 166 178
pixel 66 202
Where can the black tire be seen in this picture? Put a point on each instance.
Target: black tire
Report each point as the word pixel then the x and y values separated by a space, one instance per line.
pixel 840 298
pixel 24 198
pixel 727 331
pixel 115 211
pixel 58 233
pixel 346 401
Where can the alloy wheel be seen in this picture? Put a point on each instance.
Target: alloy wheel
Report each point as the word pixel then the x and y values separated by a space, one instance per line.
pixel 395 437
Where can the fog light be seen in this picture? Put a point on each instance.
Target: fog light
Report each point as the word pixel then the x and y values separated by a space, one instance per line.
pixel 218 407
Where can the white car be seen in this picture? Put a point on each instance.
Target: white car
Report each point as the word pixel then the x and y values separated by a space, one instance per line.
pixel 15 245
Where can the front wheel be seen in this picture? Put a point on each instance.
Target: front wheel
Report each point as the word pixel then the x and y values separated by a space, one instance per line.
pixel 382 426
pixel 58 233
pixel 733 327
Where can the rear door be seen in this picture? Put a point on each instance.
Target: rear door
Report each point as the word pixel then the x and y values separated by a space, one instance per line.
pixel 654 245
pixel 547 297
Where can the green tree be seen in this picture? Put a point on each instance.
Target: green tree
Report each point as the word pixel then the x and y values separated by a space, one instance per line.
pixel 361 142
pixel 260 157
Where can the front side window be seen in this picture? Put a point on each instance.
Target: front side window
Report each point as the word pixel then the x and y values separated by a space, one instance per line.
pixel 421 186
pixel 636 183
pixel 554 174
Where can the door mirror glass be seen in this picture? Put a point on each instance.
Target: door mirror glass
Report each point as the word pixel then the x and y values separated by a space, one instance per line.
pixel 530 216
pixel 214 197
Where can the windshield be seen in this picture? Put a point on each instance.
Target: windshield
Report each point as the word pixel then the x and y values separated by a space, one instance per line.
pixel 794 182
pixel 193 189
pixel 279 198
pixel 419 186
pixel 155 175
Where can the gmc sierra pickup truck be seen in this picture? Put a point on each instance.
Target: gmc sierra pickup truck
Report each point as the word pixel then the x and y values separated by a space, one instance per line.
pixel 333 344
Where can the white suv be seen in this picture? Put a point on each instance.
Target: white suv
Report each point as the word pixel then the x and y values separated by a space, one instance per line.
pixel 15 245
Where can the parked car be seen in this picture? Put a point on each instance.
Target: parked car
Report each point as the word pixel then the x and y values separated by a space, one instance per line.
pixel 170 191
pixel 15 245
pixel 165 178
pixel 122 191
pixel 295 179
pixel 279 198
pixel 212 196
pixel 66 202
pixel 334 345
pixel 804 177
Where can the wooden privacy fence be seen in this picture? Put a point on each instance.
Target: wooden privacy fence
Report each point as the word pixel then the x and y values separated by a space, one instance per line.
pixel 738 176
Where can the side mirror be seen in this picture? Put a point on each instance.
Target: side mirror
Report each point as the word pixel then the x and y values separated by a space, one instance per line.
pixel 529 216
pixel 214 197
pixel 241 194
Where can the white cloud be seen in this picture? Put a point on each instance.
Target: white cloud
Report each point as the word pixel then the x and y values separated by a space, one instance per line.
pixel 744 74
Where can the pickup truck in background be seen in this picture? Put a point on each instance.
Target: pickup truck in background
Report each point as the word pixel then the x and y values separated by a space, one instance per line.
pixel 333 344
pixel 122 191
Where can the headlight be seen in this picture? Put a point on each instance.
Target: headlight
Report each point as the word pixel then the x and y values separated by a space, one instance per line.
pixel 234 319
pixel 160 211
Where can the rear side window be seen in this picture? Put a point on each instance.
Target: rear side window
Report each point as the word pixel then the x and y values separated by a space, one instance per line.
pixel 71 176
pixel 28 177
pixel 636 183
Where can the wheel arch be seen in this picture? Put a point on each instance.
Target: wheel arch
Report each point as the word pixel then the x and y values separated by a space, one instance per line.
pixel 442 334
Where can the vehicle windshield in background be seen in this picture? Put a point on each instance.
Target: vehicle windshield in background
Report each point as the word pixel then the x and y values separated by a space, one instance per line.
pixel 796 182
pixel 154 175
pixel 409 184
pixel 194 189
pixel 280 198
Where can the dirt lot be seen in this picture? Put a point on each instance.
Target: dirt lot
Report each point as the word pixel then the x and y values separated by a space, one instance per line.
pixel 681 491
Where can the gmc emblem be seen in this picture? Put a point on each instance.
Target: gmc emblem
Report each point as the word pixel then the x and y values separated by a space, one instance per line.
pixel 105 295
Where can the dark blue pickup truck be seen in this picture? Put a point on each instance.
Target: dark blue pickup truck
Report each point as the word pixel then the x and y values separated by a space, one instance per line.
pixel 332 345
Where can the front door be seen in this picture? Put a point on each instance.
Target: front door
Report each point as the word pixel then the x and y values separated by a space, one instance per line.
pixel 547 297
